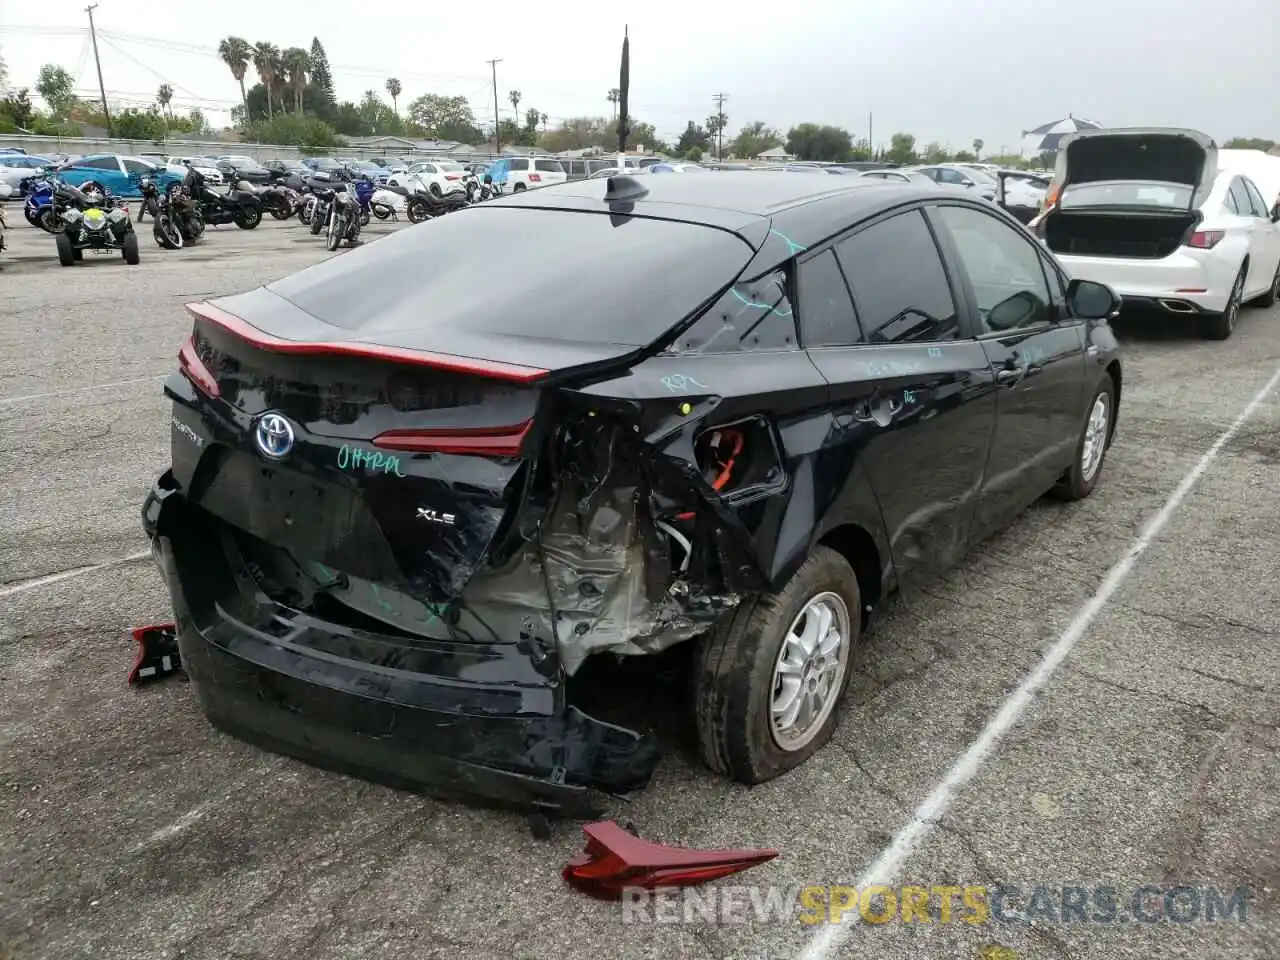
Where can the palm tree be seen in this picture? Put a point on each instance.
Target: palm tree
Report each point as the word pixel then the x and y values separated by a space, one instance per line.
pixel 543 118
pixel 235 53
pixel 514 97
pixel 977 149
pixel 295 63
pixel 266 58
pixel 394 88
pixel 614 96
pixel 163 96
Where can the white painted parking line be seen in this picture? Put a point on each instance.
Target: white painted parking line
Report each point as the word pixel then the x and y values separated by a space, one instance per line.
pixel 884 869
pixel 71 390
pixel 16 588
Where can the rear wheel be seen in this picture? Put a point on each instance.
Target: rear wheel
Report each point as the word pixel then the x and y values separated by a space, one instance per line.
pixel 1079 481
pixel 417 210
pixel 1269 298
pixel 1219 326
pixel 129 248
pixel 248 218
pixel 337 227
pixel 518 188
pixel 66 252
pixel 769 681
pixel 281 210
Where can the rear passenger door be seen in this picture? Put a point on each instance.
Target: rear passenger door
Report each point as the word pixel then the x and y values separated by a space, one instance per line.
pixel 911 394
pixel 1037 352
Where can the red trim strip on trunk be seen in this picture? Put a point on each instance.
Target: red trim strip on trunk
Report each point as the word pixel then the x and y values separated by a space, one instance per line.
pixel 189 363
pixel 517 373
pixel 478 441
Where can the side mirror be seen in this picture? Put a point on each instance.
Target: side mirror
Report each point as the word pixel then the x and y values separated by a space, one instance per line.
pixel 1089 300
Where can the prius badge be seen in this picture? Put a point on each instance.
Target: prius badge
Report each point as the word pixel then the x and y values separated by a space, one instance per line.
pixel 274 436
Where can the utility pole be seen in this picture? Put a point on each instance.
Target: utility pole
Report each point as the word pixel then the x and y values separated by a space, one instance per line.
pixel 720 98
pixel 101 86
pixel 497 122
pixel 870 141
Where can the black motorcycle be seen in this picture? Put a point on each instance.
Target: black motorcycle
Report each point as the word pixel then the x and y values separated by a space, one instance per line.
pixel 344 217
pixel 423 205
pixel 150 199
pixel 238 206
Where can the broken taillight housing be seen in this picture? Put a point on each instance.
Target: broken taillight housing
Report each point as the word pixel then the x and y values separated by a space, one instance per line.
pixel 476 441
pixel 615 860
pixel 193 367
pixel 1206 239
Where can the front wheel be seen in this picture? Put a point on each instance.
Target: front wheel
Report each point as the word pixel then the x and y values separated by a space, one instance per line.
pixel 248 218
pixel 50 222
pixel 768 682
pixel 317 223
pixel 167 233
pixel 337 229
pixel 129 249
pixel 1095 436
pixel 66 251
pixel 1269 298
pixel 417 210
pixel 281 209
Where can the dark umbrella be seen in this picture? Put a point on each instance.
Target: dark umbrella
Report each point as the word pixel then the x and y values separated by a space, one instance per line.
pixel 624 88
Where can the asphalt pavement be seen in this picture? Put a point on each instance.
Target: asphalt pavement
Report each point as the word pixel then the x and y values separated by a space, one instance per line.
pixel 1148 757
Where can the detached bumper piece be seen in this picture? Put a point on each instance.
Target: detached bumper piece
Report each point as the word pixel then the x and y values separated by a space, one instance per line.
pixel 469 721
pixel 158 655
pixel 615 860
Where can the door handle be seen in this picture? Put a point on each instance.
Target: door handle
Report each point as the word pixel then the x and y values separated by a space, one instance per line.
pixel 1011 375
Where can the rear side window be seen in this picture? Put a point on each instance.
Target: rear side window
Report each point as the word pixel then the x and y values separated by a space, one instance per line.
pixel 517 166
pixel 826 312
pixel 548 166
pixel 1240 199
pixel 100 163
pixel 1259 205
pixel 899 287
pixel 751 315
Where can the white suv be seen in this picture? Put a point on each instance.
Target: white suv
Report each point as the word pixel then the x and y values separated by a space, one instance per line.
pixel 526 173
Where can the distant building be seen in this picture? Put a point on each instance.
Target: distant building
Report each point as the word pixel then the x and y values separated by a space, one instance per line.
pixel 775 153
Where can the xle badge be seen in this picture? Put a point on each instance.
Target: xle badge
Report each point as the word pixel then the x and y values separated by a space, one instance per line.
pixel 433 516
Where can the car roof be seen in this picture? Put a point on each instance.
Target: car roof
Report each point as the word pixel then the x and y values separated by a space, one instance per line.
pixel 734 200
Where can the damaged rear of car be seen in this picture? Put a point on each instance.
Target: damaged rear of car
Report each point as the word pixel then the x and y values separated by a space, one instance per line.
pixel 407 502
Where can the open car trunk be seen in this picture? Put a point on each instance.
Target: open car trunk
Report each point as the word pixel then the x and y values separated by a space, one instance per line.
pixel 1139 236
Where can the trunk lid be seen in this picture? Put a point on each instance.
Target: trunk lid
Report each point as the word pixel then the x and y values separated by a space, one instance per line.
pixel 379 414
pixel 1154 155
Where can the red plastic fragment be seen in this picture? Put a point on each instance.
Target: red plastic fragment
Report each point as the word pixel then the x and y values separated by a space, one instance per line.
pixel 614 859
pixel 157 654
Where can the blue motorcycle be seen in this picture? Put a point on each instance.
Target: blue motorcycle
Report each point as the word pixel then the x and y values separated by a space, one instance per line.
pixel 365 189
pixel 40 208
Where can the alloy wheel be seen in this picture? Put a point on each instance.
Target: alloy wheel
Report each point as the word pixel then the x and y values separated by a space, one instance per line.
pixel 1233 304
pixel 1095 436
pixel 809 672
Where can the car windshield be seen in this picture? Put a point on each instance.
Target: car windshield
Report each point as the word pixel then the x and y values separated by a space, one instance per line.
pixel 363 165
pixel 451 166
pixel 1126 193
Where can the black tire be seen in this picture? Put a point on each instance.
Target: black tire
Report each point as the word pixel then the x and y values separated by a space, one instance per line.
pixel 337 230
pixel 1219 326
pixel 281 210
pixel 32 217
pixel 734 673
pixel 435 190
pixel 248 218
pixel 166 232
pixel 1269 298
pixel 379 211
pixel 317 223
pixel 519 188
pixel 417 210
pixel 129 248
pixel 1078 482
pixel 49 221
pixel 66 252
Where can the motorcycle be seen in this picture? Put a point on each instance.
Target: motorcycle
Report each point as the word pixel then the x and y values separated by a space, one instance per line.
pixel 177 222
pixel 40 209
pixel 150 199
pixel 276 199
pixel 94 220
pixel 365 189
pixel 386 204
pixel 423 205
pixel 2 226
pixel 489 189
pixel 344 218
pixel 240 206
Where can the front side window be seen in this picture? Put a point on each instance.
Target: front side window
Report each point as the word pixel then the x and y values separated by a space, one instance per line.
pixel 1004 270
pixel 899 287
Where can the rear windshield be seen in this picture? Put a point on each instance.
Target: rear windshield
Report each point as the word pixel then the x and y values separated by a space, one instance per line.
pixel 624 281
pixel 451 166
pixel 1126 193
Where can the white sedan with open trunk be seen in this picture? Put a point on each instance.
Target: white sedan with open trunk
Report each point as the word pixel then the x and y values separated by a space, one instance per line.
pixel 1148 212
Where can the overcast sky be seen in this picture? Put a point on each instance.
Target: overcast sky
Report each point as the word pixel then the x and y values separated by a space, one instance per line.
pixel 941 69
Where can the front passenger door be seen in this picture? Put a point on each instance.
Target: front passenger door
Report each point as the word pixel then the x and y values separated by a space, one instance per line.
pixel 1037 352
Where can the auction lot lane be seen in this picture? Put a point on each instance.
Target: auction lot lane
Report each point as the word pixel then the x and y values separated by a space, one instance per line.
pixel 128 828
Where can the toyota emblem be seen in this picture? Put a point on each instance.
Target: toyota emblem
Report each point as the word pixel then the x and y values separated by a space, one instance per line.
pixel 274 436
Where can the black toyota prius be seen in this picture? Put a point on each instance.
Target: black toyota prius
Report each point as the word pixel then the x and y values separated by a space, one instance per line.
pixel 410 496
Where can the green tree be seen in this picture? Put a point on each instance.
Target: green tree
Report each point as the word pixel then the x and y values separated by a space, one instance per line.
pixel 515 96
pixel 164 97
pixel 4 75
pixel 294 64
pixel 977 148
pixel 613 96
pixel 1249 143
pixel 445 118
pixel 578 133
pixel 135 124
pixel 934 152
pixel 266 60
pixel 17 107
pixel 715 125
pixel 295 129
pixel 902 148
pixel 754 139
pixel 394 89
pixel 236 54
pixel 693 138
pixel 694 155
pixel 640 134
pixel 55 87
pixel 964 156
pixel 1047 159
pixel 810 141
pixel 326 101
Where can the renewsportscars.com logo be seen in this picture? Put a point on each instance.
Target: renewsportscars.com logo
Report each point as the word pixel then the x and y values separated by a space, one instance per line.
pixel 940 903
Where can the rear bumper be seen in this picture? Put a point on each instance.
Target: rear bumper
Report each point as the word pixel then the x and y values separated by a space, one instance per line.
pixel 278 678
pixel 1180 283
